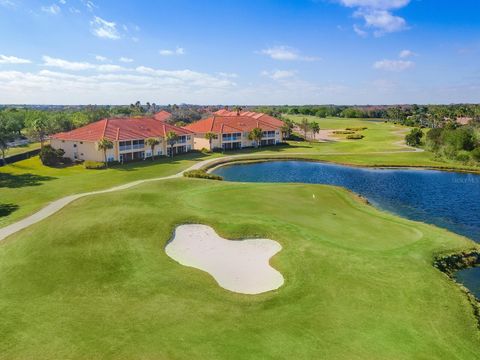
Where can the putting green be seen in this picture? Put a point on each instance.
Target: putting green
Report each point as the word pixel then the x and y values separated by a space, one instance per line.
pixel 94 281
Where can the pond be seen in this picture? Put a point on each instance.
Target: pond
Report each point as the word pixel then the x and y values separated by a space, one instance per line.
pixel 447 199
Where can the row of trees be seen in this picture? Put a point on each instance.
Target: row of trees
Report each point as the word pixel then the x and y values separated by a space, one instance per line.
pixel 454 142
pixel 430 116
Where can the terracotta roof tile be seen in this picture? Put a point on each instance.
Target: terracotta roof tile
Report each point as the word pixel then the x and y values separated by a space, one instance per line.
pixel 121 129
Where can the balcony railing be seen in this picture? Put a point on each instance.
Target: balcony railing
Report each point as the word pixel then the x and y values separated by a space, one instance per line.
pixel 125 147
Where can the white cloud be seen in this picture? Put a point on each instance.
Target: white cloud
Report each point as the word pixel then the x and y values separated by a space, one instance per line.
pixel 377 15
pixel 90 5
pixel 53 9
pixel 406 53
pixel 4 59
pixel 104 29
pixel 177 51
pixel 141 83
pixel 382 21
pixel 80 66
pixel 65 64
pixel 358 30
pixel 8 3
pixel 125 59
pixel 63 2
pixel 285 53
pixel 393 65
pixel 279 74
pixel 376 4
pixel 101 58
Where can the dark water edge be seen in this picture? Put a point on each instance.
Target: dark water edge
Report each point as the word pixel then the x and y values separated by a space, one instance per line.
pixel 470 278
pixel 449 200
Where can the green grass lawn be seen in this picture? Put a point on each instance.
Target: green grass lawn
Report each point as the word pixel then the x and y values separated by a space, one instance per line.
pixel 93 281
pixel 22 149
pixel 27 186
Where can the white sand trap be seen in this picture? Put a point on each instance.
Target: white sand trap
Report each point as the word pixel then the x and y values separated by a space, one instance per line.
pixel 240 266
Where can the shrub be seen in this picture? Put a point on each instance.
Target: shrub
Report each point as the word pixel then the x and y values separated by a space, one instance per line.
pixel 476 154
pixel 414 137
pixel 357 128
pixel 50 156
pixel 94 165
pixel 463 156
pixel 205 151
pixel 355 137
pixel 344 132
pixel 201 174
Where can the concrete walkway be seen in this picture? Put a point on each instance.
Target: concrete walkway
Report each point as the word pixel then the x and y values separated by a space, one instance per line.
pixel 59 204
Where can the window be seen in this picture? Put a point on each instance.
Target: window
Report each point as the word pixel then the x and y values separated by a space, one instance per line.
pixel 81 142
pixel 74 145
pixel 125 145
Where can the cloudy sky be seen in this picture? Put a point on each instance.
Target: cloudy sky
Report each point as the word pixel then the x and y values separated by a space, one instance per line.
pixel 239 51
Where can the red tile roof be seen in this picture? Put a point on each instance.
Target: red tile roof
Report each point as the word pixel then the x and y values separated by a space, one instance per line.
pixel 224 121
pixel 121 129
pixel 162 115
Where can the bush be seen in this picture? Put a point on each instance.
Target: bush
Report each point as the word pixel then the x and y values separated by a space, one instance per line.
pixel 344 132
pixel 355 137
pixel 463 156
pixel 414 137
pixel 205 151
pixel 201 174
pixel 476 154
pixel 94 165
pixel 357 128
pixel 50 156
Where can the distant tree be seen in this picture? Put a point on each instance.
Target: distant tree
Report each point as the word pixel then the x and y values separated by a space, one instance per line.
pixel 414 138
pixel 104 145
pixel 305 126
pixel 287 128
pixel 210 136
pixel 172 139
pixel 256 136
pixel 38 126
pixel 6 136
pixel 315 127
pixel 152 142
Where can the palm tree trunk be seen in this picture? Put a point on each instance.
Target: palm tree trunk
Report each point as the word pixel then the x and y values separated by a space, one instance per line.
pixel 105 158
pixel 3 157
pixel 153 152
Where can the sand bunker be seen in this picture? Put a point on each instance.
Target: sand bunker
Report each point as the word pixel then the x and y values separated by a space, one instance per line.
pixel 240 266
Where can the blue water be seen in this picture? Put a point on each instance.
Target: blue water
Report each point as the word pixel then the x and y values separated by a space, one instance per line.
pixel 446 199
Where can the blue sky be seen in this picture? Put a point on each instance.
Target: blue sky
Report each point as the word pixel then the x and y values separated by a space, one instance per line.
pixel 239 51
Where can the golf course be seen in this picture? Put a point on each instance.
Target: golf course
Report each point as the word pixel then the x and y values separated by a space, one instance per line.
pixel 101 285
pixel 93 280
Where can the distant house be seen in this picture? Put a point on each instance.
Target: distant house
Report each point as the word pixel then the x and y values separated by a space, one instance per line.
pixel 128 136
pixel 232 130
pixel 162 115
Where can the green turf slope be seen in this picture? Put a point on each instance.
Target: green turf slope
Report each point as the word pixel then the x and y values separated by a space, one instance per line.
pixel 94 282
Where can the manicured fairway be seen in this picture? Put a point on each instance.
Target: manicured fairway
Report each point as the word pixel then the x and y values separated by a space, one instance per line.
pixel 93 281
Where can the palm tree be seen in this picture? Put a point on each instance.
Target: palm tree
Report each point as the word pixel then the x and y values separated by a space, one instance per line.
pixel 287 128
pixel 210 136
pixel 104 145
pixel 172 138
pixel 315 128
pixel 305 125
pixel 256 135
pixel 237 109
pixel 152 142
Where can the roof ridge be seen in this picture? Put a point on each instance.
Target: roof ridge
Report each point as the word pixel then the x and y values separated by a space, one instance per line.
pixel 105 128
pixel 118 133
